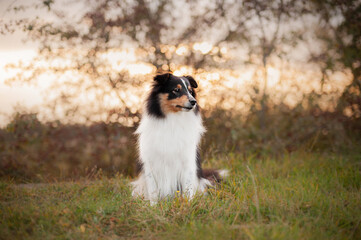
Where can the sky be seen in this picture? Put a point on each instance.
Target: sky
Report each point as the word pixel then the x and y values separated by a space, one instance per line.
pixel 13 49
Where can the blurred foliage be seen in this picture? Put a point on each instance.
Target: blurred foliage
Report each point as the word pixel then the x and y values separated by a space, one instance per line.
pixel 306 126
pixel 339 32
pixel 167 35
pixel 35 151
pixel 32 150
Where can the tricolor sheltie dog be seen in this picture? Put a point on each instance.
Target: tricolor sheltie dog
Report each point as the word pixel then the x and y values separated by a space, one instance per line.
pixel 168 137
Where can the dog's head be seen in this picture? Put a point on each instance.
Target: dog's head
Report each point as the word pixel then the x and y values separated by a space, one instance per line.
pixel 171 94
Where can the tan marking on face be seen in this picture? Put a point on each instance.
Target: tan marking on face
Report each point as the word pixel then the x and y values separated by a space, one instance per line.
pixel 189 88
pixel 168 106
pixel 179 86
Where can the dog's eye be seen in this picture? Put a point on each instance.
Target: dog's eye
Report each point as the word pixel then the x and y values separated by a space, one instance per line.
pixel 176 90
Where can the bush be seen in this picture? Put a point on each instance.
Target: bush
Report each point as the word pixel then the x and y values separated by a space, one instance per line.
pixel 283 129
pixel 31 150
pixel 34 151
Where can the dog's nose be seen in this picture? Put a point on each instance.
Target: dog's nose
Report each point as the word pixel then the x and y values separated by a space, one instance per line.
pixel 193 102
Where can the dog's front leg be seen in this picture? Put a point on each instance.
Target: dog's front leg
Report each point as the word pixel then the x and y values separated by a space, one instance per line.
pixel 189 181
pixel 151 183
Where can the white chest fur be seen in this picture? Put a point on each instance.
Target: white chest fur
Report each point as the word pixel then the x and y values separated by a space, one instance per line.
pixel 167 149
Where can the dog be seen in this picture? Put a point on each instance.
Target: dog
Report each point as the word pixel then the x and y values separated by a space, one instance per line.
pixel 168 138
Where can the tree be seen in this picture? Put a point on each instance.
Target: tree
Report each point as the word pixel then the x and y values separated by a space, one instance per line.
pixel 260 28
pixel 339 32
pixel 167 34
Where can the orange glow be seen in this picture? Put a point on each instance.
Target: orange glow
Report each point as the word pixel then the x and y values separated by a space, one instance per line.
pixel 182 50
pixel 203 47
pixel 285 82
pixel 273 76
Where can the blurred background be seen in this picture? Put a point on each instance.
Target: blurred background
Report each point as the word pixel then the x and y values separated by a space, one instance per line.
pixel 274 77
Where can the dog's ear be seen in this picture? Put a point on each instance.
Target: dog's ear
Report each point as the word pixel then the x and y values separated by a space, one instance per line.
pixel 192 81
pixel 162 78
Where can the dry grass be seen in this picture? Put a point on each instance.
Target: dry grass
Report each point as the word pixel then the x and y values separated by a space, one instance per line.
pixel 298 196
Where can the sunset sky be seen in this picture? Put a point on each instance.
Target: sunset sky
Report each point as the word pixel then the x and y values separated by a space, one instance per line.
pixel 13 49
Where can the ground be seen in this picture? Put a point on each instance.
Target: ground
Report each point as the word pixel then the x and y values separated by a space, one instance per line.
pixel 294 196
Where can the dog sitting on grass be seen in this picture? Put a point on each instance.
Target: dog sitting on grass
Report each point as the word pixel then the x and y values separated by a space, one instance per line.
pixel 168 137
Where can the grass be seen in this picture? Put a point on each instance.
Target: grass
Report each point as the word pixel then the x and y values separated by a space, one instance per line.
pixel 297 196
